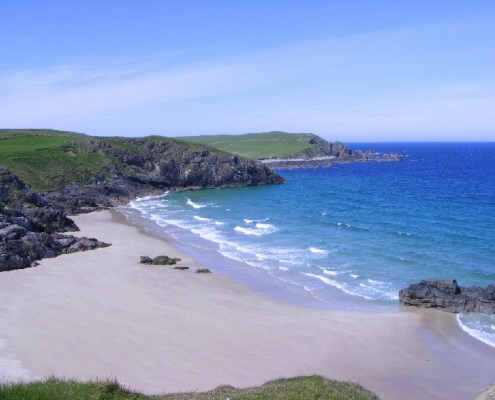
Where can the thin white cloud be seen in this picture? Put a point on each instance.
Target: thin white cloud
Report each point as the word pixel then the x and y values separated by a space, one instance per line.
pixel 403 80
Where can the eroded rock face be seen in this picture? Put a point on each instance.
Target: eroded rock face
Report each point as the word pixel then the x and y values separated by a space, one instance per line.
pixel 25 251
pixel 28 226
pixel 159 166
pixel 30 221
pixel 448 296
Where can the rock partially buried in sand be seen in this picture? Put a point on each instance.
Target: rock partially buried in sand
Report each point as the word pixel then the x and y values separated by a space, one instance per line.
pixel 181 268
pixel 159 260
pixel 446 295
pixel 487 393
pixel 203 271
pixel 164 260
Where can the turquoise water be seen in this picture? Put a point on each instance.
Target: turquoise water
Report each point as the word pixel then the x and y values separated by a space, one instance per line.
pixel 355 233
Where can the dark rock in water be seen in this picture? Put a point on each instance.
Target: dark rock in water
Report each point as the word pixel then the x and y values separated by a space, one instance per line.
pixel 448 296
pixel 146 260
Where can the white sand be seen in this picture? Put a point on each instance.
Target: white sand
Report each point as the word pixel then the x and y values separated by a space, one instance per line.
pixel 102 314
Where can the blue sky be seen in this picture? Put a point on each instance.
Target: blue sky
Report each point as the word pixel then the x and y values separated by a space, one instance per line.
pixel 345 70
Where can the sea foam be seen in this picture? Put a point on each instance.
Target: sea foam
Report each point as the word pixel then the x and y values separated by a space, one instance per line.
pixel 476 325
pixel 195 205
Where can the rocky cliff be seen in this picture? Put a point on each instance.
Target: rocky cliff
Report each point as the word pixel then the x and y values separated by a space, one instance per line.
pixel 29 227
pixel 86 174
pixel 138 167
pixel 323 153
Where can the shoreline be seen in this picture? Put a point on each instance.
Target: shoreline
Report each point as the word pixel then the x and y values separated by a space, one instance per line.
pixel 257 279
pixel 102 314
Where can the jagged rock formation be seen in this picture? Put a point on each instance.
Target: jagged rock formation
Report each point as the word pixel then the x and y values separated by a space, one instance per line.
pixel 97 173
pixel 28 226
pixel 323 153
pixel 448 296
pixel 487 393
pixel 147 166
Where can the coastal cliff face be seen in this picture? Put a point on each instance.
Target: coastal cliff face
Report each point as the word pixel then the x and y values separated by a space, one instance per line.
pixel 139 167
pixel 87 174
pixel 323 153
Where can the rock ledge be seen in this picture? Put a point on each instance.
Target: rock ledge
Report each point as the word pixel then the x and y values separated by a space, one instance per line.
pixel 446 295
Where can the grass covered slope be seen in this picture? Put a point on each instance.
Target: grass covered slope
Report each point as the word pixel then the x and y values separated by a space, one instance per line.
pixel 48 160
pixel 300 388
pixel 42 158
pixel 258 145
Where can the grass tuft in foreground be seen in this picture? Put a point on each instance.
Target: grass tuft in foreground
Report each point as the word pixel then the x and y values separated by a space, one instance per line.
pixel 299 388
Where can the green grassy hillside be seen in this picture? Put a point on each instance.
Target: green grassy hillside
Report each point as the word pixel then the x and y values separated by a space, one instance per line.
pixel 43 157
pixel 48 159
pixel 258 145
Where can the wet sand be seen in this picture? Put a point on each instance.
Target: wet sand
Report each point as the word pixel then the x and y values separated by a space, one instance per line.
pixel 103 314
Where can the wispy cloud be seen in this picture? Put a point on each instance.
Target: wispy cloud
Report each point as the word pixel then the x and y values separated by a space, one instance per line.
pixel 404 81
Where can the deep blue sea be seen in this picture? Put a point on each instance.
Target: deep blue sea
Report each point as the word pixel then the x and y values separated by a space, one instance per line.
pixel 354 234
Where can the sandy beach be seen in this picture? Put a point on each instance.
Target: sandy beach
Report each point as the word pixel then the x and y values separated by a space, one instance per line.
pixel 156 329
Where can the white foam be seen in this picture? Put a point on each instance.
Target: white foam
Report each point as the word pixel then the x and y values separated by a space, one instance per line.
pixel 315 250
pixel 328 272
pixel 195 205
pixel 248 231
pixel 380 288
pixel 476 330
pixel 283 268
pixel 219 223
pixel 354 276
pixel 145 198
pixel 248 221
pixel 201 218
pixel 335 284
pixel 259 230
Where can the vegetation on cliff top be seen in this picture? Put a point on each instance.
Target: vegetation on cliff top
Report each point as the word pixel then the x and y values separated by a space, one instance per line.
pixel 263 145
pixel 300 388
pixel 49 159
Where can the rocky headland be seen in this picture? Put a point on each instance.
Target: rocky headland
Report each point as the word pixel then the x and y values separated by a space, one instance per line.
pixel 87 174
pixel 447 295
pixel 148 166
pixel 323 153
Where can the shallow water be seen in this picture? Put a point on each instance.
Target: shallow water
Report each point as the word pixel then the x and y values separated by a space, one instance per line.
pixel 354 234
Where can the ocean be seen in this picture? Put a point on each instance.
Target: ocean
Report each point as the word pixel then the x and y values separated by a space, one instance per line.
pixel 348 236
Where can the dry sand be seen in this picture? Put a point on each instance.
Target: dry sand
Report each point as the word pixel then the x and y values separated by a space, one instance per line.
pixel 103 314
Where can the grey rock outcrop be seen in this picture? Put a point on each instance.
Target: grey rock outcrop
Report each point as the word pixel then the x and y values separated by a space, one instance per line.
pixel 323 153
pixel 29 227
pixel 448 296
pixel 30 222
pixel 159 165
pixel 487 393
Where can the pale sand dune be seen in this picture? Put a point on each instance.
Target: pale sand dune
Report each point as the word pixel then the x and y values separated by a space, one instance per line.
pixel 102 314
